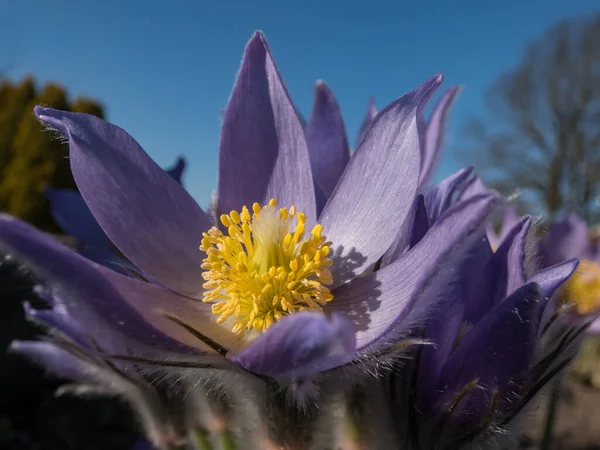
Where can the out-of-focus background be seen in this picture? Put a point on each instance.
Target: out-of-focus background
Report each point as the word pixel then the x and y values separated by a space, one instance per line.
pixel 528 118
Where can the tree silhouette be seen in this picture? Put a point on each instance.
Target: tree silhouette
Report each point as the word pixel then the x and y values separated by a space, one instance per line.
pixel 541 138
pixel 31 160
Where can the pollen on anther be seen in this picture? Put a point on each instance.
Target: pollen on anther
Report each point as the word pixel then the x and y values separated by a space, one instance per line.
pixel 263 267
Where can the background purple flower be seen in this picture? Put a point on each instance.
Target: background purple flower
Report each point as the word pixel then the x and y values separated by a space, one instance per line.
pixel 564 239
pixel 490 354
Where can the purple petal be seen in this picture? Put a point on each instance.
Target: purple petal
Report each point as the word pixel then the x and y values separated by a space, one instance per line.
pixel 72 214
pixel 594 328
pixel 67 365
pixel 439 197
pixel 320 199
pixel 107 258
pixel 475 187
pixel 377 190
pixel 434 134
pixel 549 280
pixel 263 150
pixel 153 221
pixel 58 361
pixel 421 223
pixel 366 122
pixel 510 219
pixel 515 255
pixel 60 321
pixel 497 352
pixel 410 233
pixel 326 138
pixel 154 303
pixel 442 330
pixel 501 275
pixel 177 170
pixel 102 302
pixel 300 345
pixel 385 301
pixel 566 239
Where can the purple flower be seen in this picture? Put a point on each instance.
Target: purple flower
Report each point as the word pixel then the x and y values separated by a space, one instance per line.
pixel 496 339
pixel 315 269
pixel 280 288
pixel 567 238
pixel 368 119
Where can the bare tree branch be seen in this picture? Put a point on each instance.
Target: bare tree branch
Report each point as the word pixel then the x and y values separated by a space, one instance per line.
pixel 542 136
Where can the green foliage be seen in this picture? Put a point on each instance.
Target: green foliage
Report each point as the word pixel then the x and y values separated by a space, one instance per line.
pixel 31 159
pixel 13 101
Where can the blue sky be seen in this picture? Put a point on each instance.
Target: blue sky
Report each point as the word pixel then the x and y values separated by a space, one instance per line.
pixel 165 72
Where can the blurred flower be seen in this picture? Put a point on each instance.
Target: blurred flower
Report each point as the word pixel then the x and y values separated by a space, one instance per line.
pixel 489 359
pixel 567 238
pixel 571 237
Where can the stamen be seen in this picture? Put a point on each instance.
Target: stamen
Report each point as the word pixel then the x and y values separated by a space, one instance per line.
pixel 264 268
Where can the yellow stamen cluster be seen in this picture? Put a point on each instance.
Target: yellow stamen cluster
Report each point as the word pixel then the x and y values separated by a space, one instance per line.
pixel 583 288
pixel 263 269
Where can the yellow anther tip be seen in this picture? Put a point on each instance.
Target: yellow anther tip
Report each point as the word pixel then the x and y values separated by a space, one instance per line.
pixel 225 220
pixel 259 270
pixel 235 217
pixel 317 230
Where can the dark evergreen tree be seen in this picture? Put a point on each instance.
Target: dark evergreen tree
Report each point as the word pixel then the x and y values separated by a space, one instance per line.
pixel 32 159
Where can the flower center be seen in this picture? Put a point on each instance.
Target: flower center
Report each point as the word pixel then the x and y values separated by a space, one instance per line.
pixel 583 288
pixel 264 268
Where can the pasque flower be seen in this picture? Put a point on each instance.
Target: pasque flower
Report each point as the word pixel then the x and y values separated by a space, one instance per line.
pixel 497 338
pixel 315 269
pixel 496 335
pixel 567 238
pixel 274 286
